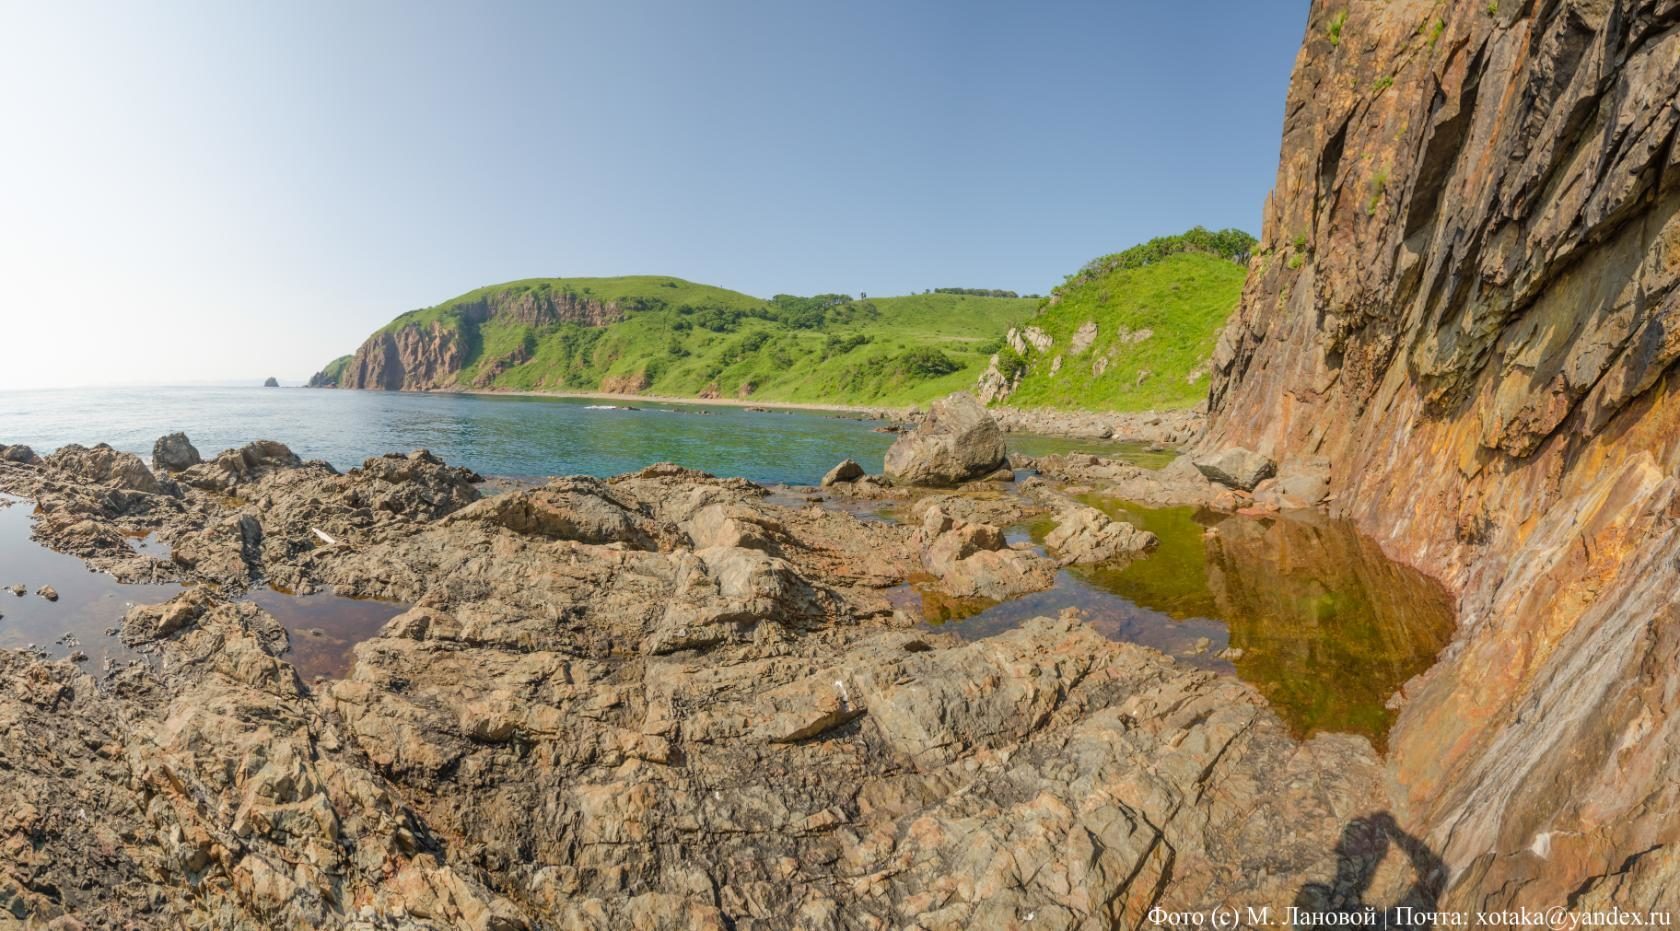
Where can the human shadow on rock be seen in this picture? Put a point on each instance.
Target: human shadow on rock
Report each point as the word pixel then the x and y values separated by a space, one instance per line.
pixel 1372 884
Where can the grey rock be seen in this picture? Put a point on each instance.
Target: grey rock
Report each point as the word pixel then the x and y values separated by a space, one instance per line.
pixel 957 441
pixel 1236 467
pixel 846 471
pixel 174 453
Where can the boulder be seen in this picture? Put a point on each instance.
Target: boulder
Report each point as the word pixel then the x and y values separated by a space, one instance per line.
pixel 847 471
pixel 18 453
pixel 957 441
pixel 974 560
pixel 174 453
pixel 234 467
pixel 579 509
pixel 1236 467
pixel 1085 536
pixel 104 466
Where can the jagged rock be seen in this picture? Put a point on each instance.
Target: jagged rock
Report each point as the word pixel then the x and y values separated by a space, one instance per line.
pixel 956 442
pixel 234 467
pixel 580 509
pixel 973 560
pixel 173 453
pixel 18 453
pixel 1086 536
pixel 1236 467
pixel 416 485
pixel 1083 338
pixel 104 466
pixel 568 731
pixel 846 471
pixel 993 385
pixel 143 623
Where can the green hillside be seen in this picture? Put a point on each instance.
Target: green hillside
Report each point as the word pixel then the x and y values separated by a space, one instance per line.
pixel 683 339
pixel 1157 310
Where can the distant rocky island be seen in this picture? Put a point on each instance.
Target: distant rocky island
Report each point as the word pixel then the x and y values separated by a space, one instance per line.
pixel 271 382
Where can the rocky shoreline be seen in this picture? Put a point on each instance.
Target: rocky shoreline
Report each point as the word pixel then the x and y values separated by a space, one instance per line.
pixel 658 701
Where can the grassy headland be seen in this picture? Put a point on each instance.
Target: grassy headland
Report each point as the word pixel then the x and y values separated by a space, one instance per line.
pixel 1134 330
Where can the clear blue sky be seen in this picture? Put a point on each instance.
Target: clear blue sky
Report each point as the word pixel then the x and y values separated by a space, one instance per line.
pixel 209 190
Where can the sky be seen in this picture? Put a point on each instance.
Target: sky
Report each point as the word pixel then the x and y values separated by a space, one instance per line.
pixel 212 192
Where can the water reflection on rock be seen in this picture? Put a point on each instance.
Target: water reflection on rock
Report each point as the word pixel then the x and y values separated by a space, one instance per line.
pixel 323 628
pixel 1319 620
pixel 1304 608
pixel 89 606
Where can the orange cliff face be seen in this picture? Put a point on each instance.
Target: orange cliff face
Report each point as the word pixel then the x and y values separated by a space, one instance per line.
pixel 421 356
pixel 1465 299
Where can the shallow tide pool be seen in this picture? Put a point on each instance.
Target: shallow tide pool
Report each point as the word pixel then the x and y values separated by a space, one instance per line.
pixel 1304 608
pixel 89 603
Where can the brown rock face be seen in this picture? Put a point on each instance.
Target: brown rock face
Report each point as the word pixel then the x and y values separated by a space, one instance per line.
pixel 1465 300
pixel 422 356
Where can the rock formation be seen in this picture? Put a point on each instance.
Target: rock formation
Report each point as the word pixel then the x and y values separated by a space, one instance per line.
pixel 654 701
pixel 271 382
pixel 1465 300
pixel 1087 536
pixel 420 354
pixel 173 453
pixel 956 441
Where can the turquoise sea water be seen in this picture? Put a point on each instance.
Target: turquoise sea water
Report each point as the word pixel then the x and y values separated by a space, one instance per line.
pixel 512 436
pixel 522 437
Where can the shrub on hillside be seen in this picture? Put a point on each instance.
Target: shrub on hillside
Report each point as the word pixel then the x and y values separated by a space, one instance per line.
pixel 1231 244
pixel 926 362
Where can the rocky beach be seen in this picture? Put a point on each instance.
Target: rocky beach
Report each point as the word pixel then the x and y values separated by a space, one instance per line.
pixel 656 700
pixel 1351 606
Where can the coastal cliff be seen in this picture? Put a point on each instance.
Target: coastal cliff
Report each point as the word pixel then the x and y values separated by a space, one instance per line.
pixel 420 351
pixel 1464 299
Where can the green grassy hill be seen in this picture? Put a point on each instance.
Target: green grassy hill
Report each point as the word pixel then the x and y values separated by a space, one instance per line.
pixel 1134 330
pixel 674 337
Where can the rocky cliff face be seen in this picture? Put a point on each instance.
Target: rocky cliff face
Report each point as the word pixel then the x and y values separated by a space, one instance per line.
pixel 418 356
pixel 1465 299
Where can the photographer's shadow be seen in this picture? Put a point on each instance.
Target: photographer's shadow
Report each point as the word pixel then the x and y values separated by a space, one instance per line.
pixel 1364 844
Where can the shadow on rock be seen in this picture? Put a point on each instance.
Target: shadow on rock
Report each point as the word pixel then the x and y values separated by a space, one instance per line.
pixel 1384 875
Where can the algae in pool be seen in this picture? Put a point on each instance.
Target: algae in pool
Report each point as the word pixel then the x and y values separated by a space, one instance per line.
pixel 1328 627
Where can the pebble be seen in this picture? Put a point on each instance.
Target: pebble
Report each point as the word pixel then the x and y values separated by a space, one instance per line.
pixel 47 592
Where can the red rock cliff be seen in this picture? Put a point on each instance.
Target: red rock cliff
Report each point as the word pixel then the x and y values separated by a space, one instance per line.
pixel 1466 301
pixel 422 356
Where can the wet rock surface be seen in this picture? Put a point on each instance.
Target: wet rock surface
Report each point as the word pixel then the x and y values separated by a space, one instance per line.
pixel 1087 536
pixel 656 700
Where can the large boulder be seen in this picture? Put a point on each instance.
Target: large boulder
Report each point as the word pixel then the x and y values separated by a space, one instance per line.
pixel 234 467
pixel 104 466
pixel 579 509
pixel 174 453
pixel 1085 536
pixel 847 471
pixel 1236 467
pixel 956 442
pixel 18 453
